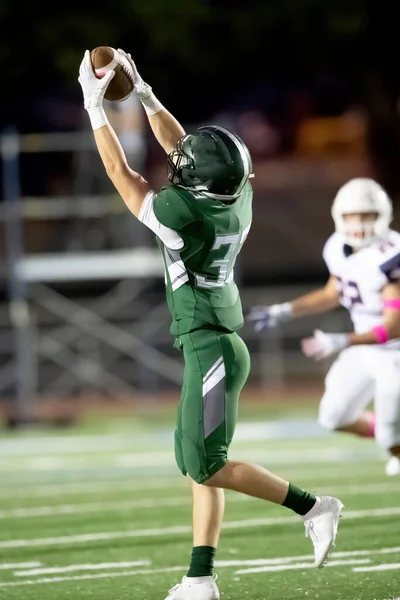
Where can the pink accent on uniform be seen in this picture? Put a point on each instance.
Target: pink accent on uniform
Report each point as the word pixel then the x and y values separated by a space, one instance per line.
pixel 381 333
pixel 372 425
pixel 393 304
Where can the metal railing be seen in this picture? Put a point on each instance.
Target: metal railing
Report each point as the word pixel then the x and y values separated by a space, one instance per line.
pixel 55 343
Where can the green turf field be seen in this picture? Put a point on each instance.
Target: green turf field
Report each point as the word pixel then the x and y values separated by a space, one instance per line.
pixel 100 512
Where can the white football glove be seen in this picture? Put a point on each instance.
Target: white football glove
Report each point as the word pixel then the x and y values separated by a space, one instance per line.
pixel 141 88
pixel 322 345
pixel 268 317
pixel 93 88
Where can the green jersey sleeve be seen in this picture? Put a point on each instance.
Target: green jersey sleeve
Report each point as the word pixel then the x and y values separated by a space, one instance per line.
pixel 173 210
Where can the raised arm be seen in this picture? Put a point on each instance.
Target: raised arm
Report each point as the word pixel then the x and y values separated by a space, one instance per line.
pixel 132 187
pixel 166 128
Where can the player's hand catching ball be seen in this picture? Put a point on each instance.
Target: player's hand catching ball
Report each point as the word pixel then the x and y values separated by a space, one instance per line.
pixel 93 89
pixel 321 345
pixel 140 87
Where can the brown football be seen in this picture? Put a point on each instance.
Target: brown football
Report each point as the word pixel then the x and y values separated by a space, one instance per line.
pixel 103 60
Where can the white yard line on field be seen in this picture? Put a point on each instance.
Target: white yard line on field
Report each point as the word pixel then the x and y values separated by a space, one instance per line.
pixel 154 571
pixel 288 559
pixel 96 576
pixel 385 567
pixel 22 565
pixel 304 565
pixel 92 507
pixel 182 529
pixel 176 501
pixel 274 564
pixel 83 567
pixel 81 488
pixel 219 564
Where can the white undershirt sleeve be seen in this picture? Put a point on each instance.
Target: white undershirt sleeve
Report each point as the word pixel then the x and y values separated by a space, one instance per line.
pixel 146 215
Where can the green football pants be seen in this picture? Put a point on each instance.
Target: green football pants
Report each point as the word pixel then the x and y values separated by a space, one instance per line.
pixel 216 368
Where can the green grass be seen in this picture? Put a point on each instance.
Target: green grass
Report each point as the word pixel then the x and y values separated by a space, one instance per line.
pixel 108 492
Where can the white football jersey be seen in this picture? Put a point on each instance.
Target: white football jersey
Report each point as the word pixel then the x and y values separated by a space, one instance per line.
pixel 362 275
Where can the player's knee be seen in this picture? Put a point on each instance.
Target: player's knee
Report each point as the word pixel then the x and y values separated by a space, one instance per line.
pixel 332 415
pixel 195 470
pixel 330 419
pixel 199 464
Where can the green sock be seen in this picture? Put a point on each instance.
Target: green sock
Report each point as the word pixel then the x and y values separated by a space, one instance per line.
pixel 298 500
pixel 202 561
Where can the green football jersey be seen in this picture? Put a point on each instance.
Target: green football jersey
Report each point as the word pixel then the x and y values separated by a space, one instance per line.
pixel 201 292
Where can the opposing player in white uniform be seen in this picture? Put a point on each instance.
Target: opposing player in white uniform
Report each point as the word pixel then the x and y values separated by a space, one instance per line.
pixel 363 259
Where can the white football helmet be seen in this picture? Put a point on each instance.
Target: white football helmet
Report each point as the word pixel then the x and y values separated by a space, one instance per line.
pixel 362 195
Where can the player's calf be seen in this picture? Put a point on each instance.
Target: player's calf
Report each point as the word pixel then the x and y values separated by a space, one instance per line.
pixel 363 426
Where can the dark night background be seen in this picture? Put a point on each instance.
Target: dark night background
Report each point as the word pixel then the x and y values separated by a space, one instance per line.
pixel 205 56
pixel 260 66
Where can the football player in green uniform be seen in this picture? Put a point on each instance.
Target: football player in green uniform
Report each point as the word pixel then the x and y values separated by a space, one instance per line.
pixel 201 221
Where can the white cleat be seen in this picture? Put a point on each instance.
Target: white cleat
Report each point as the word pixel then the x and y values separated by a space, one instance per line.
pixel 393 466
pixel 195 588
pixel 322 528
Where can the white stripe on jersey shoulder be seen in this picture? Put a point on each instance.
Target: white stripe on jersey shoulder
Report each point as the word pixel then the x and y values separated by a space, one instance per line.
pixel 147 216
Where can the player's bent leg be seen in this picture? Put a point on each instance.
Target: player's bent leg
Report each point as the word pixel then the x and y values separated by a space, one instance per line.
pixel 349 388
pixel 387 405
pixel 364 426
pixel 320 514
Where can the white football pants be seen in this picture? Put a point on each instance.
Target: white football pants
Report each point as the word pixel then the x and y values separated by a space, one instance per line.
pixel 359 375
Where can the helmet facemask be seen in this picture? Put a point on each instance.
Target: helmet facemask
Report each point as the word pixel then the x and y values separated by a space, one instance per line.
pixel 358 229
pixel 177 161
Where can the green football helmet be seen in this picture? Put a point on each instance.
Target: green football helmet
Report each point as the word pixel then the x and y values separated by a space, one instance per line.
pixel 212 161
